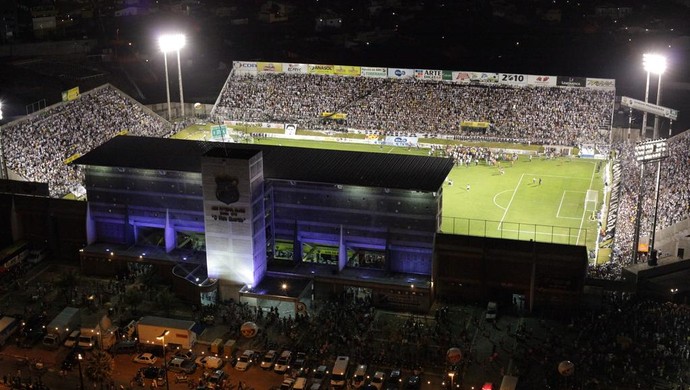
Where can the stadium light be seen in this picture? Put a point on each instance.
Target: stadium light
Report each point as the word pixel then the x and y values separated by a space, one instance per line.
pixel 168 43
pixel 653 63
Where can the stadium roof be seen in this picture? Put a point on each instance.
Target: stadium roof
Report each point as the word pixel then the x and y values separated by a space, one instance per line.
pixel 387 170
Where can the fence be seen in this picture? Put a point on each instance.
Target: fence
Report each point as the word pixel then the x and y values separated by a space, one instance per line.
pixel 518 231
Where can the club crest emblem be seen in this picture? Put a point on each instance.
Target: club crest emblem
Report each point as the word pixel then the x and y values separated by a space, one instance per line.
pixel 226 189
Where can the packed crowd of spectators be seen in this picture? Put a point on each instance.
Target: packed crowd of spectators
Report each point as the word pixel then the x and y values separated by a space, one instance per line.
pixel 673 205
pixel 545 115
pixel 36 147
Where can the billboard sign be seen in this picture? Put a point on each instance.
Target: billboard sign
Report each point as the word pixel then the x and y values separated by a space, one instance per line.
pixel 368 71
pixel 564 81
pixel 483 77
pixel 344 70
pixel 401 141
pixel 399 73
pixel 609 84
pixel 426 74
pixel 460 77
pixel 649 108
pixel 270 67
pixel 512 78
pixel 541 81
pixel 245 67
pixel 320 69
pixel 295 68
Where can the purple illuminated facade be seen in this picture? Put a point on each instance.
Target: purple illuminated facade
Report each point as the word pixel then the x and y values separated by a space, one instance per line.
pixel 341 214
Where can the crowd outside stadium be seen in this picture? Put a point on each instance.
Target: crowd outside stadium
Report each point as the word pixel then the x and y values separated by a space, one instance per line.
pixel 37 147
pixel 542 115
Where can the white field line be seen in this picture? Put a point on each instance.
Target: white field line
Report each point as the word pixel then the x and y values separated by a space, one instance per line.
pixel 558 213
pixel 584 211
pixel 510 202
pixel 496 203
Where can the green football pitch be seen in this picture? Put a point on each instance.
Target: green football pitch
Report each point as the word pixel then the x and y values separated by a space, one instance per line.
pixel 543 200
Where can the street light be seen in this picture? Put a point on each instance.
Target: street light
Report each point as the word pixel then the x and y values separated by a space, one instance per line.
pixel 165 363
pixel 81 377
pixel 451 375
pixel 653 63
pixel 168 43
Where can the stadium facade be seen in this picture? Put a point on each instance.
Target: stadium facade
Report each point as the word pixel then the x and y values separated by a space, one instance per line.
pixel 230 219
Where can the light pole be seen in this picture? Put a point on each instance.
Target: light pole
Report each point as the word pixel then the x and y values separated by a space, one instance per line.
pixel 168 43
pixel 81 377
pixel 165 363
pixel 652 63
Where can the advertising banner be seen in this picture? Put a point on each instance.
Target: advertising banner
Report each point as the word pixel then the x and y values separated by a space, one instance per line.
pixel 564 81
pixel 460 77
pixel 368 71
pixel 70 94
pixel 512 78
pixel 649 108
pixel 245 67
pixel 447 75
pixel 346 70
pixel 270 67
pixel 295 68
pixel 334 115
pixel 399 73
pixel 541 81
pixel 482 125
pixel 320 69
pixel 609 84
pixel 426 74
pixel 401 141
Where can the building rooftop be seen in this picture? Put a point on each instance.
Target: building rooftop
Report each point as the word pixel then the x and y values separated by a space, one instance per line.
pixel 385 170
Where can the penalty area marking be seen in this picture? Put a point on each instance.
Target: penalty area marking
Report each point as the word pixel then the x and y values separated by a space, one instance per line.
pixel 496 203
pixel 510 202
pixel 558 213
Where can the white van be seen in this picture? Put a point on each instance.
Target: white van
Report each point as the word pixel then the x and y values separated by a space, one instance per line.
pixel 72 339
pixel 339 373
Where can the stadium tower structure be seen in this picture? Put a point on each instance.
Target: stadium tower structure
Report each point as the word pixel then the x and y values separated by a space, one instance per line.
pixel 208 216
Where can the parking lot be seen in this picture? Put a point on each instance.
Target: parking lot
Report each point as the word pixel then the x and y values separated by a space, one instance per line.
pixel 383 341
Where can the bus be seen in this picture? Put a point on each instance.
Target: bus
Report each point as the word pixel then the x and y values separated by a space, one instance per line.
pixel 13 255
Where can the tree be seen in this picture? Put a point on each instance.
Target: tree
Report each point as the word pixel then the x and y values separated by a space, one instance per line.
pixel 65 284
pixel 165 299
pixel 99 367
pixel 133 298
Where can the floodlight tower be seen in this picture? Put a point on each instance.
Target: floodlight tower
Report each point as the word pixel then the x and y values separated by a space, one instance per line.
pixel 652 63
pixel 168 43
pixel 648 151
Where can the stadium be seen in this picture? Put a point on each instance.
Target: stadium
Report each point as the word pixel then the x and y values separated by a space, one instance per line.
pixel 463 172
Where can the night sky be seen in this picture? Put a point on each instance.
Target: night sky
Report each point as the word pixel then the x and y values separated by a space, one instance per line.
pixel 565 38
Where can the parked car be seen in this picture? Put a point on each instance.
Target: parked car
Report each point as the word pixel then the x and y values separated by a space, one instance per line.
pixel 245 360
pixel 299 363
pixel 360 376
pixel 413 382
pixel 185 354
pixel 378 380
pixel 145 358
pixel 287 384
pixel 394 380
pixel 215 379
pixel 178 364
pixel 125 346
pixel 491 311
pixel 210 362
pixel 269 359
pixel 320 375
pixel 283 362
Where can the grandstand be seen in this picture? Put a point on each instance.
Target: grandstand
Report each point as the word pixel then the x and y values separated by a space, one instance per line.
pixel 40 146
pixel 370 106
